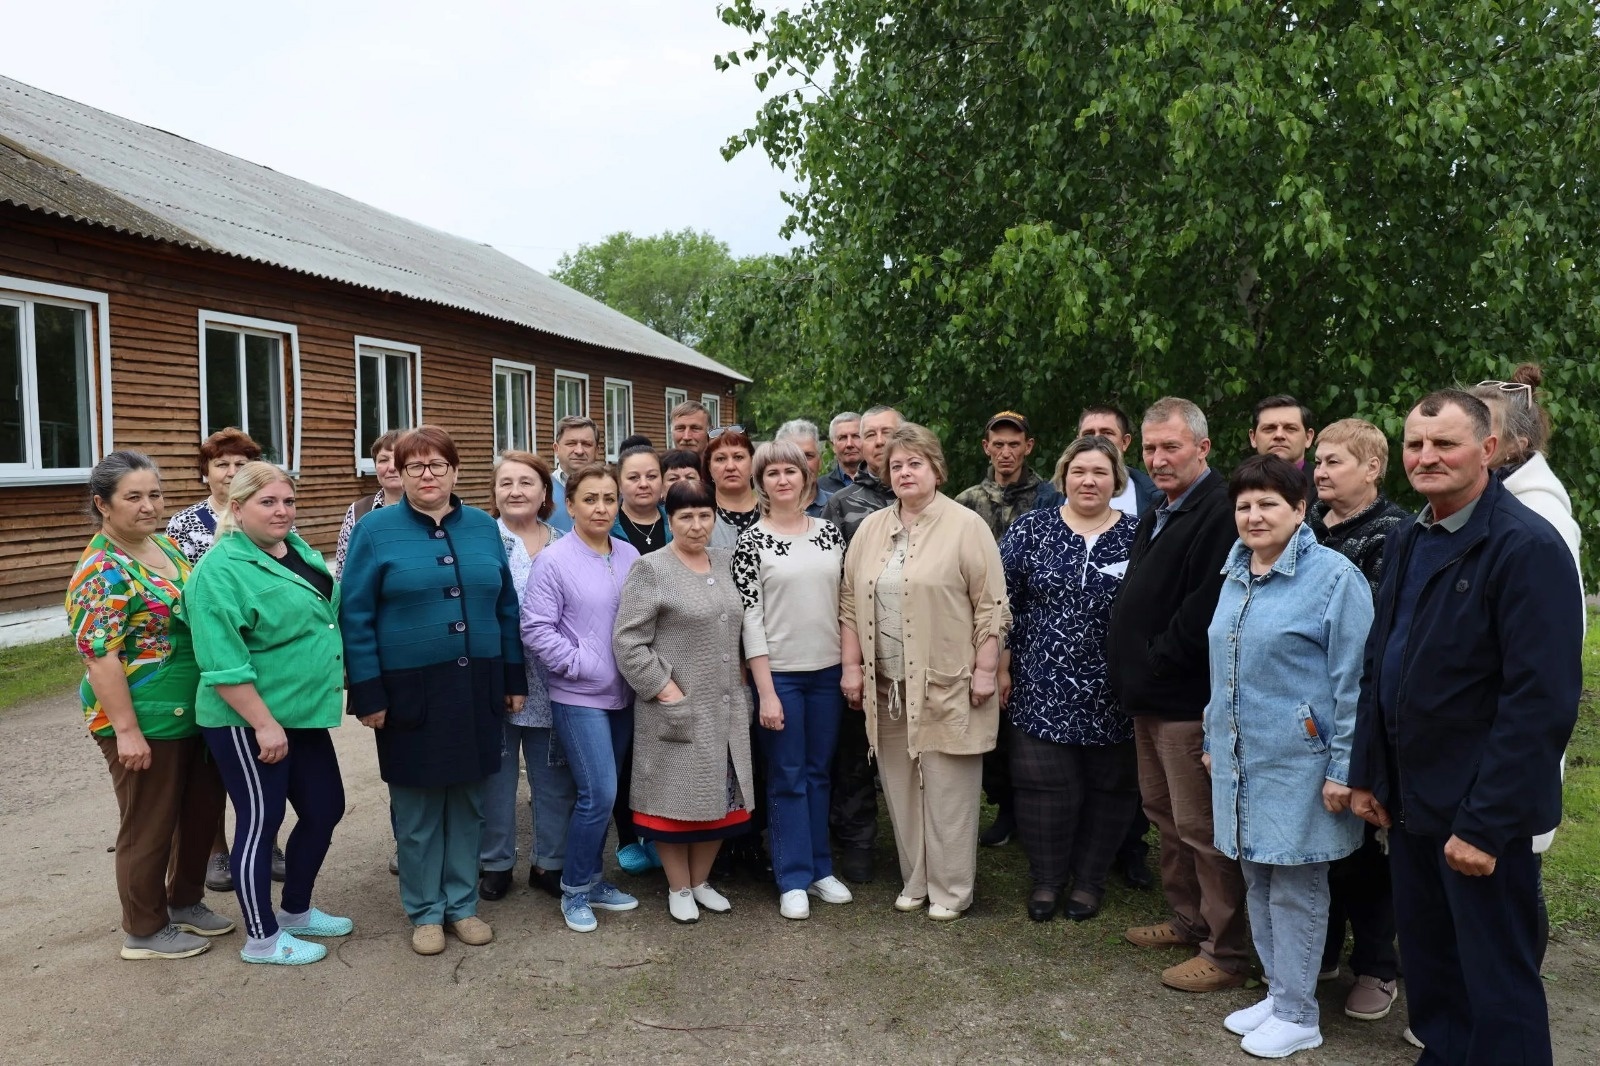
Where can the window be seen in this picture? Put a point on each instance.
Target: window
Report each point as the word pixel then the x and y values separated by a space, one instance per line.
pixel 674 398
pixel 713 405
pixel 47 380
pixel 513 407
pixel 388 393
pixel 243 380
pixel 619 415
pixel 572 394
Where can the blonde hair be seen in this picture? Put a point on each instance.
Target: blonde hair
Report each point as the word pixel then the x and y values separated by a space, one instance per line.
pixel 1092 443
pixel 1363 439
pixel 910 437
pixel 251 479
pixel 782 451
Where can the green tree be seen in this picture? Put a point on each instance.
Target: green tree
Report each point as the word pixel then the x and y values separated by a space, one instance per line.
pixel 1036 204
pixel 656 280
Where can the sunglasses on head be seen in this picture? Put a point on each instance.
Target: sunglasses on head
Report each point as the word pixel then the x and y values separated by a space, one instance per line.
pixel 720 430
pixel 1515 388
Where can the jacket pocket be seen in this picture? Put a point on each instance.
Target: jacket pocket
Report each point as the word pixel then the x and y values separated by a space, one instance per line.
pixel 947 698
pixel 676 722
pixel 1311 730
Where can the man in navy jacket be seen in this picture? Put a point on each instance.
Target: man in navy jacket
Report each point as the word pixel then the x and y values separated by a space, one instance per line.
pixel 1473 672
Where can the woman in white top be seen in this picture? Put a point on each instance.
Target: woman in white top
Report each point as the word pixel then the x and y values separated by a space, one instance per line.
pixel 787 567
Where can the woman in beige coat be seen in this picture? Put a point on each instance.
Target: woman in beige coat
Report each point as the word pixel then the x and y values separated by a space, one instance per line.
pixel 923 612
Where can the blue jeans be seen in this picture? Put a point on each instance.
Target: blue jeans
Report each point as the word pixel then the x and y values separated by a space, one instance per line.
pixel 552 792
pixel 1289 920
pixel 799 759
pixel 595 742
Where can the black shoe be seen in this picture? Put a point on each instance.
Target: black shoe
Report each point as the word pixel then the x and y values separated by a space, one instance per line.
pixel 546 881
pixel 1000 831
pixel 1079 911
pixel 494 884
pixel 855 865
pixel 724 868
pixel 756 862
pixel 1136 873
pixel 280 868
pixel 1043 903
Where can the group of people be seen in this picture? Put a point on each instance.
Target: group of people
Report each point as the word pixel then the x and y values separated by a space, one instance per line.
pixel 1334 713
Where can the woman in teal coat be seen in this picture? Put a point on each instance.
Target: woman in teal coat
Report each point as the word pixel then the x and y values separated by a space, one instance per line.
pixel 264 614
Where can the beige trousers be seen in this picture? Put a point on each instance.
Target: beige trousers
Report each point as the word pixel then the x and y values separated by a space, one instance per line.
pixel 934 811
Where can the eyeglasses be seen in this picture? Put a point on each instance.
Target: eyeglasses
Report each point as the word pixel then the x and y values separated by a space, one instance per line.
pixel 720 430
pixel 438 468
pixel 1516 388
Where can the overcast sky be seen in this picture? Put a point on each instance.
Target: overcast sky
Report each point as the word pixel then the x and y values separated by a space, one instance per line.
pixel 533 126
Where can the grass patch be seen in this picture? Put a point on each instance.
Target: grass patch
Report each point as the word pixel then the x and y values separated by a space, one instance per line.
pixel 33 670
pixel 1572 865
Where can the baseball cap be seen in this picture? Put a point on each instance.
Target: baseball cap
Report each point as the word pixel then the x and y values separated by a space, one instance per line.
pixel 1003 417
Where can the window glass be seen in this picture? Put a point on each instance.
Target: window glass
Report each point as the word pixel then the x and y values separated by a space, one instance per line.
pixel 60 356
pixel 13 435
pixel 222 380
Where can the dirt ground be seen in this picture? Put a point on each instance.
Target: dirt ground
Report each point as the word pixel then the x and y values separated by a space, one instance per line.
pixel 859 983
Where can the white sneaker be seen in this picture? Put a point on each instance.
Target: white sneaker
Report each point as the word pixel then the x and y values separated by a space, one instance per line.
pixel 942 914
pixel 906 904
pixel 830 890
pixel 682 906
pixel 711 899
pixel 1278 1039
pixel 1244 1022
pixel 794 904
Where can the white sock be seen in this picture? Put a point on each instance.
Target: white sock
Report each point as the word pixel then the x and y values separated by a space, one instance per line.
pixel 285 918
pixel 263 947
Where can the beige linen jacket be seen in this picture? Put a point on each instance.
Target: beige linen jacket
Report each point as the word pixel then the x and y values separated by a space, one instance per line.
pixel 954 599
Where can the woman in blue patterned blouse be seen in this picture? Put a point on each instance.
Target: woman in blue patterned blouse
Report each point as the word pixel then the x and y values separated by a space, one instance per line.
pixel 1072 757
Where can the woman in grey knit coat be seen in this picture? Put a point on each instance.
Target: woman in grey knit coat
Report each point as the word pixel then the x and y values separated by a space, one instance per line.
pixel 677 644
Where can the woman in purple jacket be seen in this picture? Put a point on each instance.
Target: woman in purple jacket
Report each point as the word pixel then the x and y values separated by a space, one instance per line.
pixel 568 614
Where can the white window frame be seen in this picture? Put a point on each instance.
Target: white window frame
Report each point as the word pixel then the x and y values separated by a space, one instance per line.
pixel 98 362
pixel 672 398
pixel 713 405
pixel 533 391
pixel 563 376
pixel 612 441
pixel 364 463
pixel 288 348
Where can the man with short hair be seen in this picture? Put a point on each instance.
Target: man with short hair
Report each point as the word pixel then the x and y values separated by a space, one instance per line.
pixel 691 426
pixel 1281 426
pixel 844 433
pixel 577 443
pixel 1010 487
pixel 804 433
pixel 1469 696
pixel 1106 420
pixel 1158 656
pixel 853 807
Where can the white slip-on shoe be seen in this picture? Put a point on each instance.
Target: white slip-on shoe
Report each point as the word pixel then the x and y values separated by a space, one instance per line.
pixel 794 904
pixel 830 890
pixel 1246 1021
pixel 906 904
pixel 1278 1039
pixel 710 899
pixel 942 914
pixel 682 905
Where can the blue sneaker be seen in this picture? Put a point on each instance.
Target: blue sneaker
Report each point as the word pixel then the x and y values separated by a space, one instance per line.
pixel 634 859
pixel 605 896
pixel 575 909
pixel 289 952
pixel 319 924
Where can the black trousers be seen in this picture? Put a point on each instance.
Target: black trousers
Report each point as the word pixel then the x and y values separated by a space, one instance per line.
pixel 1361 894
pixel 853 804
pixel 1471 946
pixel 1073 806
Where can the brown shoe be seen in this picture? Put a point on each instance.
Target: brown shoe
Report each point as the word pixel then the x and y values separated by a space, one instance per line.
pixel 1370 999
pixel 471 930
pixel 1200 974
pixel 427 939
pixel 1164 935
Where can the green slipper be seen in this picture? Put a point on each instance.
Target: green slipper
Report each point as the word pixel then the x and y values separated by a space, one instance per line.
pixel 289 952
pixel 319 924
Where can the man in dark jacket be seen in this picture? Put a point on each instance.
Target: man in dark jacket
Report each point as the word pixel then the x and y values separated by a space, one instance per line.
pixel 1010 488
pixel 1158 659
pixel 853 805
pixel 1470 694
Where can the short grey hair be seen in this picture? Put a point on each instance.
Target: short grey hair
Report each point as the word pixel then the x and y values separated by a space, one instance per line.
pixel 881 409
pixel 1169 407
pixel 797 427
pixel 840 418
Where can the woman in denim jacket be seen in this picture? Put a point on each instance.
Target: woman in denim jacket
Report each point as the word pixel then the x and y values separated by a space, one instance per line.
pixel 1286 652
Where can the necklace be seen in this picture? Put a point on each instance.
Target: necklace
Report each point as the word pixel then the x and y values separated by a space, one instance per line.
pixel 648 534
pixel 1090 532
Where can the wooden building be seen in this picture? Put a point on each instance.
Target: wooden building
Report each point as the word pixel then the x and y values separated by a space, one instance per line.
pixel 153 290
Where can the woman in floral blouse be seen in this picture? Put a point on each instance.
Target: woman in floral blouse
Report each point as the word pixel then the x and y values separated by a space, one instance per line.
pixel 138 700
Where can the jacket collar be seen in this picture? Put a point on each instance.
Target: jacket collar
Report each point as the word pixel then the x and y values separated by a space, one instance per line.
pixel 935 507
pixel 1238 563
pixel 421 519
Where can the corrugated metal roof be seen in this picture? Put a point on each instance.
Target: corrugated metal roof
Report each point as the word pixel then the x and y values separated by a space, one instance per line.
pixel 87 164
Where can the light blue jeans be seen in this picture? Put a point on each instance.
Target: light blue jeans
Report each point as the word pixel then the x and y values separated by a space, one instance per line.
pixel 553 795
pixel 1289 920
pixel 595 742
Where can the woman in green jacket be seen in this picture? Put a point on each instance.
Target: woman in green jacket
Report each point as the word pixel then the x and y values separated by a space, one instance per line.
pixel 264 613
